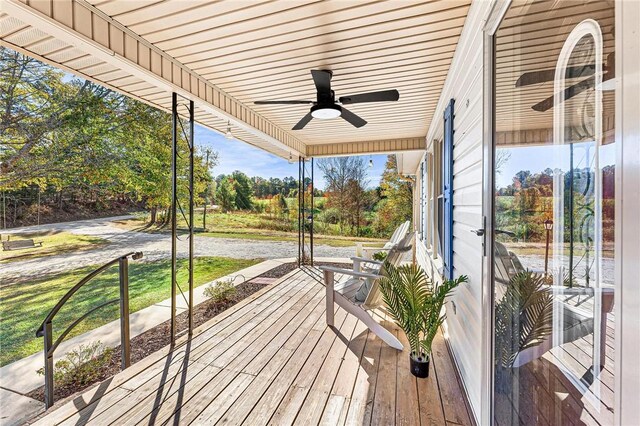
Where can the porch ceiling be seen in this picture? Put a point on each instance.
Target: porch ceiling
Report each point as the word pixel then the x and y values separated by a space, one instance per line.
pixel 227 54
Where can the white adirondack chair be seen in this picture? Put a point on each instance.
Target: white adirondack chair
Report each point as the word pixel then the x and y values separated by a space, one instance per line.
pixel 363 248
pixel 360 292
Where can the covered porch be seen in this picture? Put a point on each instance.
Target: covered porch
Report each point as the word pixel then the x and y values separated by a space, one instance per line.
pixel 272 359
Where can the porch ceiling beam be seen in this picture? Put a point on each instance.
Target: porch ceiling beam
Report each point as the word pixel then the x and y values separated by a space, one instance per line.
pixel 366 147
pixel 85 27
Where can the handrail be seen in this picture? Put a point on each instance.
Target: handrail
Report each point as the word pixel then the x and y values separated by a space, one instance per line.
pixel 46 328
pixel 82 282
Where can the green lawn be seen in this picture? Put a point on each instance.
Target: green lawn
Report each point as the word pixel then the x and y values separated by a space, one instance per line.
pixel 53 243
pixel 23 306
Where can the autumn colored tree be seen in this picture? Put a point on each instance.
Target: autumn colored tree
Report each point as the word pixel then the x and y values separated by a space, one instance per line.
pixel 396 205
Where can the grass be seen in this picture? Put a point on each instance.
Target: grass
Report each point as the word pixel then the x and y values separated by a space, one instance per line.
pixel 53 243
pixel 23 306
pixel 248 226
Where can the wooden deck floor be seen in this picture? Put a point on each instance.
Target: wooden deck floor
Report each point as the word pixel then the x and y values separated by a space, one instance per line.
pixel 272 360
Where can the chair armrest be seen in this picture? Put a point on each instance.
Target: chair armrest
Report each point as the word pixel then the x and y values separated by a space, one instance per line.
pixel 365 260
pixel 367 243
pixel 374 249
pixel 349 272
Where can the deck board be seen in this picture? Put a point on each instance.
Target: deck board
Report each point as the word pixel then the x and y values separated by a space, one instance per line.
pixel 271 359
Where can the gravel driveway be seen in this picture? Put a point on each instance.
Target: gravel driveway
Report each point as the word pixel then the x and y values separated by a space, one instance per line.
pixel 154 247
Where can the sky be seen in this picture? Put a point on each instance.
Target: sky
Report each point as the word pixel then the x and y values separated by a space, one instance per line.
pixel 236 155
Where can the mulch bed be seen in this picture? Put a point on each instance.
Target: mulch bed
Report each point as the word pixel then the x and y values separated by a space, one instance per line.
pixel 158 337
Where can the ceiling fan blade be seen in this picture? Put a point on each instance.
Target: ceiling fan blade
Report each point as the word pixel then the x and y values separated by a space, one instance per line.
pixel 383 96
pixel 569 93
pixel 305 120
pixel 322 79
pixel 537 77
pixel 283 102
pixel 352 118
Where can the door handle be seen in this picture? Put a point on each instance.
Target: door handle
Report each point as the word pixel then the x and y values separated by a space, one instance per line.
pixel 478 232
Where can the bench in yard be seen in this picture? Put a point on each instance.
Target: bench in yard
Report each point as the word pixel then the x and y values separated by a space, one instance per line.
pixel 20 244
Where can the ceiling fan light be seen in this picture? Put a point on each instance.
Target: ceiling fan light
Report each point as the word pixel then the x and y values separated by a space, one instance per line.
pixel 326 112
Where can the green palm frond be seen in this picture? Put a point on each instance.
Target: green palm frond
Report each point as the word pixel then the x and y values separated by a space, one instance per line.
pixel 414 303
pixel 523 316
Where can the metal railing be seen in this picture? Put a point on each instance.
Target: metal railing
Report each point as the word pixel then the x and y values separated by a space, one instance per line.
pixel 46 329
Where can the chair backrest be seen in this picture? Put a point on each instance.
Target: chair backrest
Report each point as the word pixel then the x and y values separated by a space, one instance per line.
pixel 374 298
pixel 399 233
pixel 504 269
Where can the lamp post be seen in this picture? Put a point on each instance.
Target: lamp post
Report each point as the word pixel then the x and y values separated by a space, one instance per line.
pixel 548 226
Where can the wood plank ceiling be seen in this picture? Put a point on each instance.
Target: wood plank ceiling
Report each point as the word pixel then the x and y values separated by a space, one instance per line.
pixel 264 49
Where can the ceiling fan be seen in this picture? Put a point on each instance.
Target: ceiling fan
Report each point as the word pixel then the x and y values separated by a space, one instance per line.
pixel 326 107
pixel 537 77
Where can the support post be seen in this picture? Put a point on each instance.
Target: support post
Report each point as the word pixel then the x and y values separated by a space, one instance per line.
pixel 191 151
pixel 312 214
pixel 125 346
pixel 174 196
pixel 302 213
pixel 48 365
pixel 300 250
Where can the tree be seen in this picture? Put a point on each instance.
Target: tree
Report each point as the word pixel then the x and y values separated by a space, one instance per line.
pixel 243 189
pixel 75 137
pixel 346 178
pixel 226 194
pixel 396 205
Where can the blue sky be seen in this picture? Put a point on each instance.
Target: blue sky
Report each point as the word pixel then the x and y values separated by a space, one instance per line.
pixel 236 155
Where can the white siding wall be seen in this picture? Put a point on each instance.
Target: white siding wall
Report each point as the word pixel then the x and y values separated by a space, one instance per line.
pixel 465 84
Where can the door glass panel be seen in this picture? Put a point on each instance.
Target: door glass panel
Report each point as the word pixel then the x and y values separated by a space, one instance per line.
pixel 554 176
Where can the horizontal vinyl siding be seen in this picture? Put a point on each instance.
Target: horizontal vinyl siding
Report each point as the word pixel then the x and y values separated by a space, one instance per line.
pixel 465 84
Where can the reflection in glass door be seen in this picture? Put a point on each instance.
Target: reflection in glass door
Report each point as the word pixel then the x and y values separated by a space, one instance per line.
pixel 554 206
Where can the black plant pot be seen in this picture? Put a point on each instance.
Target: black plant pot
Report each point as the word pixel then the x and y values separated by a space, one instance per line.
pixel 419 365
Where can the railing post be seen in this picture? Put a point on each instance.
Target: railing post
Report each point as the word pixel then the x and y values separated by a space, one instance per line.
pixel 124 312
pixel 48 365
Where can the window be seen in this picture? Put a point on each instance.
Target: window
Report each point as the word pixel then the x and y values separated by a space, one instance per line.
pixel 423 201
pixel 435 198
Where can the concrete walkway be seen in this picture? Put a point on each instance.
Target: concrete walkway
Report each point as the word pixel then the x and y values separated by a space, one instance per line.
pixel 155 246
pixel 20 377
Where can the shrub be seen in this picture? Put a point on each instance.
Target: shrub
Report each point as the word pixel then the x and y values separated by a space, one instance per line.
pixel 331 216
pixel 81 366
pixel 221 291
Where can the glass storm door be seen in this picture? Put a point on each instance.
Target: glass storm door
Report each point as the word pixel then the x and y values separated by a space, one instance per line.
pixel 554 204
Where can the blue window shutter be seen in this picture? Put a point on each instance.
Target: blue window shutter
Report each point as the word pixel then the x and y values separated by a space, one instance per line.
pixel 447 191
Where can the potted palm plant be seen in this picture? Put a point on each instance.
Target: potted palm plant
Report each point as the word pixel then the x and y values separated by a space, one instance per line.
pixel 523 320
pixel 415 304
